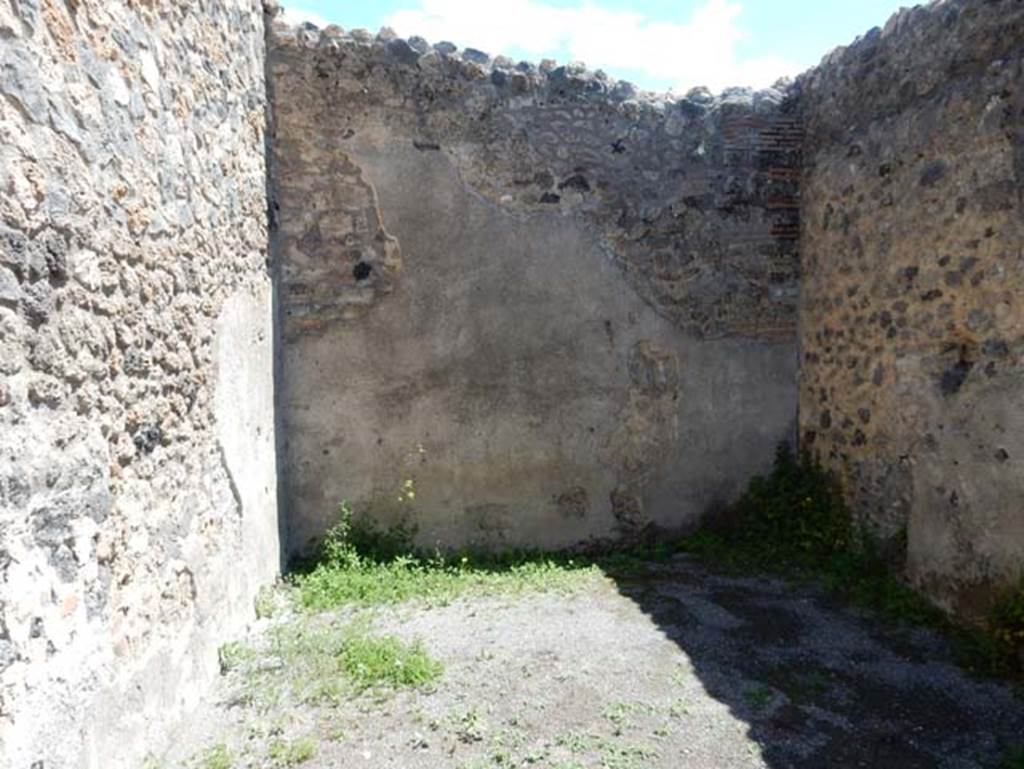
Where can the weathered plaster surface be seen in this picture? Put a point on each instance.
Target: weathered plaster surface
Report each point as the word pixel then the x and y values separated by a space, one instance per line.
pixel 912 318
pixel 529 394
pixel 137 470
pixel 561 310
pixel 521 306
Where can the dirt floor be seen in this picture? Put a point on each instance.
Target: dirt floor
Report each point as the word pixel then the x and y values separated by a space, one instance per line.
pixel 682 668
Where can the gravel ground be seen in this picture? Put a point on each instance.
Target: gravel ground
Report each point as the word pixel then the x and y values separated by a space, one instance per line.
pixel 684 667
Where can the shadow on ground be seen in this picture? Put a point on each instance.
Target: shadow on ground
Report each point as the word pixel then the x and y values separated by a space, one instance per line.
pixel 684 667
pixel 822 685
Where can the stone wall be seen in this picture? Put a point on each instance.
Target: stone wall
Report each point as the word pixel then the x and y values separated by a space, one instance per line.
pixel 912 320
pixel 137 467
pixel 524 306
pixel 521 306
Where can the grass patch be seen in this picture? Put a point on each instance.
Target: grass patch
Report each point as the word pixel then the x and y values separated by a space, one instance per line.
pixel 291 752
pixel 373 662
pixel 217 757
pixel 323 661
pixel 361 566
pixel 795 522
pixel 621 715
pixel 615 756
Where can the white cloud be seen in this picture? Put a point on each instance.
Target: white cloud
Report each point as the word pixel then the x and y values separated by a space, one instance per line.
pixel 295 16
pixel 701 51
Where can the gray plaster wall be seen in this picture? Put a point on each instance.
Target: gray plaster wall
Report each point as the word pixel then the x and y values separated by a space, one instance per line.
pixel 523 308
pixel 138 513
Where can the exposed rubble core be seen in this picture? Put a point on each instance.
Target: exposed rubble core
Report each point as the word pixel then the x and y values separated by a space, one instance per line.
pixel 694 198
pixel 137 471
pixel 912 317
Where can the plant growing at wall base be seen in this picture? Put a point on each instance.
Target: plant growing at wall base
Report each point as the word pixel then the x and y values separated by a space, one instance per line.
pixel 793 517
pixel 795 521
pixel 361 565
pixel 354 540
pixel 1006 625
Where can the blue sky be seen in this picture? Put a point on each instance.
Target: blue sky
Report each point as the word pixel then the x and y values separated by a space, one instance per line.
pixel 658 44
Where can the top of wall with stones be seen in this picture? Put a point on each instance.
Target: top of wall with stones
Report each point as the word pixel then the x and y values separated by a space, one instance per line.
pixel 567 80
pixel 694 197
pixel 921 53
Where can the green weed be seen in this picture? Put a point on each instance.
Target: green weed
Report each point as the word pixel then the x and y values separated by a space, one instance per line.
pixel 1006 627
pixel 217 757
pixel 361 566
pixel 266 602
pixel 470 726
pixel 795 516
pixel 575 742
pixel 335 733
pixel 232 656
pixel 616 756
pixel 622 714
pixel 324 661
pixel 291 753
pixel 612 754
pixel 794 521
pixel 385 661
pixel 679 708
